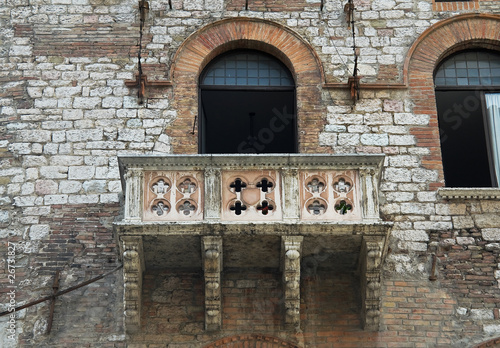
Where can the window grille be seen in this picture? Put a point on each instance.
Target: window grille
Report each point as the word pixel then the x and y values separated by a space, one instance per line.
pixel 247 69
pixel 469 69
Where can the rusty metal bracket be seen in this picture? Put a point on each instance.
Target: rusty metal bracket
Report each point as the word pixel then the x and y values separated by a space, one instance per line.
pixel 62 292
pixel 141 82
pixel 55 288
pixel 354 86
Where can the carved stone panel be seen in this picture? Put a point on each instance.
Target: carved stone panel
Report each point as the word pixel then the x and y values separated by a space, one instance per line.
pixel 330 195
pixel 251 195
pixel 173 196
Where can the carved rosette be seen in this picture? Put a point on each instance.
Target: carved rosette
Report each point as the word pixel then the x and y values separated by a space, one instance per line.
pixel 251 196
pixel 330 195
pixel 133 268
pixel 372 252
pixel 291 256
pixel 212 267
pixel 173 196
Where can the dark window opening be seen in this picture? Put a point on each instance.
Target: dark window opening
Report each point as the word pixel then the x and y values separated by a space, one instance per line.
pixel 468 105
pixel 247 105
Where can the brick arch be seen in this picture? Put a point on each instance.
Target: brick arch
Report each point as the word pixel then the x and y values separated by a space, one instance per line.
pixel 435 44
pixel 489 344
pixel 228 34
pixel 251 341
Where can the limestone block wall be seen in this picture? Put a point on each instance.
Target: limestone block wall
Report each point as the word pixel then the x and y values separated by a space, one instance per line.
pixel 66 113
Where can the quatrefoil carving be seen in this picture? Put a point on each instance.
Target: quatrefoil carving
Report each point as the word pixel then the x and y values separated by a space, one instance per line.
pixel 316 185
pixel 161 208
pixel 342 186
pixel 187 207
pixel 160 187
pixel 317 207
pixel 343 207
pixel 187 186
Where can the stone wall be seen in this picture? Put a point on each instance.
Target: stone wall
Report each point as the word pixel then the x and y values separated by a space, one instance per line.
pixel 66 113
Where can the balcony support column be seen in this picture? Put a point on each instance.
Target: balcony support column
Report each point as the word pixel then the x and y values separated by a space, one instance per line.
pixel 291 251
pixel 133 268
pixel 211 249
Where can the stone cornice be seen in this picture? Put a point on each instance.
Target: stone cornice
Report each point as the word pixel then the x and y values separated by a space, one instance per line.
pixel 470 193
pixel 238 161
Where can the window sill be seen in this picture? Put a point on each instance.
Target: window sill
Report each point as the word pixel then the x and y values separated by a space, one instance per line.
pixel 470 193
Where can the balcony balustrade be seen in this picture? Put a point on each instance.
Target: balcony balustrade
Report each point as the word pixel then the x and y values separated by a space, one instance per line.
pixel 256 210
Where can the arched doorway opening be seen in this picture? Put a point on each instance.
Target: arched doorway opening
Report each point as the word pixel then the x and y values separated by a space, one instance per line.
pixel 247 105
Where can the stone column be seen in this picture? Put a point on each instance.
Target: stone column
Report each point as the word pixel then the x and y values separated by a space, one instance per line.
pixel 133 194
pixel 291 249
pixel 211 249
pixel 133 268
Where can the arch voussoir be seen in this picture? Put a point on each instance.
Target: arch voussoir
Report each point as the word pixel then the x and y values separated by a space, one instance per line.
pixel 252 33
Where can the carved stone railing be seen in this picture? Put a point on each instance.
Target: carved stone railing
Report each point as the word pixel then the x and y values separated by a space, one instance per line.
pixel 251 188
pixel 212 197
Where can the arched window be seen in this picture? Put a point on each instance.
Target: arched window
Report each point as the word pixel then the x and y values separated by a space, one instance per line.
pixel 247 105
pixel 468 102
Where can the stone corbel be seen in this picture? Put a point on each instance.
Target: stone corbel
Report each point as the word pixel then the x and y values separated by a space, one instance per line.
pixel 211 249
pixel 133 194
pixel 133 268
pixel 291 250
pixel 372 251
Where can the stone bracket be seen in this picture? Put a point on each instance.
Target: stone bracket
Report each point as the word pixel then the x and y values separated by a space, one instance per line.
pixel 211 250
pixel 133 268
pixel 372 253
pixel 291 250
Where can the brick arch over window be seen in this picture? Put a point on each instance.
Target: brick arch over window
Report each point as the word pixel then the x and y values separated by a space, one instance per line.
pixel 251 341
pixel 228 34
pixel 468 31
pixel 489 344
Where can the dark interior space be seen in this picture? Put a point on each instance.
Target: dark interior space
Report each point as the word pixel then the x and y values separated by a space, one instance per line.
pixel 463 139
pixel 248 121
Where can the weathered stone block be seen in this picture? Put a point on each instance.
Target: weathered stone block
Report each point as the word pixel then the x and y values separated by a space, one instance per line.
pixel 38 232
pixel 70 186
pixel 487 220
pixel 136 135
pixel 46 187
pixel 412 235
pixel 55 199
pixel 375 139
pixel 491 234
pixel 81 173
pixel 54 172
pixel 460 222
